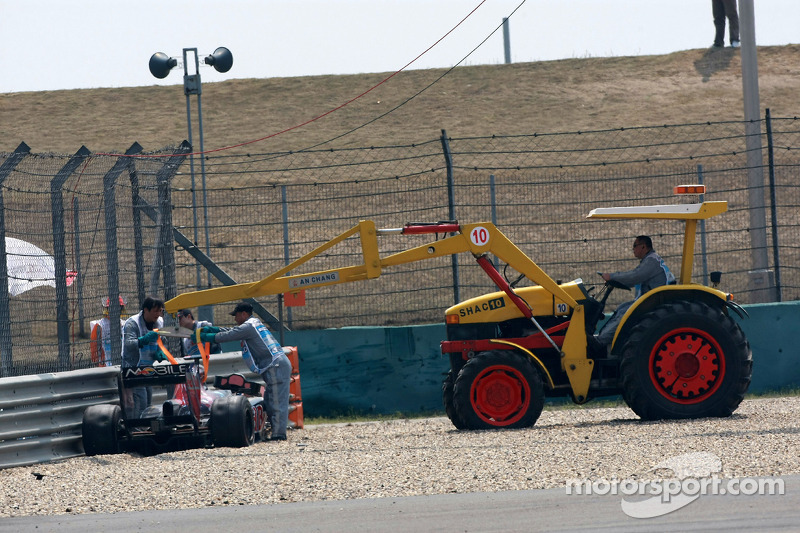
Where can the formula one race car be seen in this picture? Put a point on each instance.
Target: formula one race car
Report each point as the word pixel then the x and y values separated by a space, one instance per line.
pixel 183 413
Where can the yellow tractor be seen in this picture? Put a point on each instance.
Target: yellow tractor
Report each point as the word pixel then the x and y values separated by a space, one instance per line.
pixel 677 352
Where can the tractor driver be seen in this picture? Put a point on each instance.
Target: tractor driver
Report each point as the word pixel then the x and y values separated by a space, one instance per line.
pixel 651 272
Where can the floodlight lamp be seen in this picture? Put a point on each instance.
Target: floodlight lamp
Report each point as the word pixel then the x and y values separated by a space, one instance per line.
pixel 161 64
pixel 221 59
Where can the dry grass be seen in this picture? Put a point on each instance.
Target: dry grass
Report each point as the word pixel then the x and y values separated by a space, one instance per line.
pixel 567 95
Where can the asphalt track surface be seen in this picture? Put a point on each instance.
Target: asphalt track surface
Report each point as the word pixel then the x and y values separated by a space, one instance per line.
pixel 528 510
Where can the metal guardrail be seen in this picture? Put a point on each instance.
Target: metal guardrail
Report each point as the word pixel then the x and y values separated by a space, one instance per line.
pixel 41 415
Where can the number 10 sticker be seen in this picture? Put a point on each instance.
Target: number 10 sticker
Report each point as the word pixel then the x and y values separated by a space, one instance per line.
pixel 479 236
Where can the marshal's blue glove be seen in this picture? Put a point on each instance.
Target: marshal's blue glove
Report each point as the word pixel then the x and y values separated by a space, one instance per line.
pixel 210 329
pixel 160 356
pixel 207 337
pixel 148 338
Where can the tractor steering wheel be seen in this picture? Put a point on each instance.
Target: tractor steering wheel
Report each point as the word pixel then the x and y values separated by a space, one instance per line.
pixel 615 284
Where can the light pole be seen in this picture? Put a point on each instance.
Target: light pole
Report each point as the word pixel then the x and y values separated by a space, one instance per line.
pixel 160 66
pixel 761 278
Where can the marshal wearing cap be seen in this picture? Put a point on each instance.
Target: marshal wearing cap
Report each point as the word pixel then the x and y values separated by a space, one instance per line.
pixel 247 308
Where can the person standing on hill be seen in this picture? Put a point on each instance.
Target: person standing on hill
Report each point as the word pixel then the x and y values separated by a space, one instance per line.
pixel 722 9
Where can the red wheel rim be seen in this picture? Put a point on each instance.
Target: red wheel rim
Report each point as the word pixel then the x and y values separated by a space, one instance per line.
pixel 687 366
pixel 500 395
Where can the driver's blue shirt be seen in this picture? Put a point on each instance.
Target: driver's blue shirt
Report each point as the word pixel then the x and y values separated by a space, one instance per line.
pixel 651 272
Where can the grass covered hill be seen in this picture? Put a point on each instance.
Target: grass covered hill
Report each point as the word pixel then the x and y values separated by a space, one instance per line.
pixel 553 96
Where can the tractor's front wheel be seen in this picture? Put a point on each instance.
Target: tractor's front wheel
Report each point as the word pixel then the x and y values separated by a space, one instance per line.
pixel 498 389
pixel 685 360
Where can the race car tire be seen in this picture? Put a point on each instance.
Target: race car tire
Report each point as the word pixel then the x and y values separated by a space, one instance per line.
pixel 99 429
pixel 262 427
pixel 232 422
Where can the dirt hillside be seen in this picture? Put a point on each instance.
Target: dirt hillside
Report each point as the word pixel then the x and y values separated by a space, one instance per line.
pixel 567 95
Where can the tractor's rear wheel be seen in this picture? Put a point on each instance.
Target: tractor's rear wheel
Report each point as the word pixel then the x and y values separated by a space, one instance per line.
pixel 498 389
pixel 685 360
pixel 448 385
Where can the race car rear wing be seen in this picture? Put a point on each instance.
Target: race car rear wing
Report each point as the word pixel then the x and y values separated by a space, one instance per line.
pixel 155 375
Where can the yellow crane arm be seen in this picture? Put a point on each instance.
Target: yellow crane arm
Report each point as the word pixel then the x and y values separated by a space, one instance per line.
pixel 479 239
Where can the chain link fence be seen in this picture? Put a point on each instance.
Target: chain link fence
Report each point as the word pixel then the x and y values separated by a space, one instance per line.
pixel 139 225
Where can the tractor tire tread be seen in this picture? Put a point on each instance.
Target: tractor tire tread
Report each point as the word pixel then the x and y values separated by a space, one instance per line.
pixel 738 354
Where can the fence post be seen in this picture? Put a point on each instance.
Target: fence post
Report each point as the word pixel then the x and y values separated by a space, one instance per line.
pixel 451 212
pixel 112 251
pixel 137 205
pixel 285 209
pixel 60 254
pixel 702 231
pixel 493 199
pixel 164 256
pixel 761 282
pixel 6 355
pixel 164 253
pixel 773 208
pixel 506 41
pixel 155 264
pixel 78 281
pixel 166 250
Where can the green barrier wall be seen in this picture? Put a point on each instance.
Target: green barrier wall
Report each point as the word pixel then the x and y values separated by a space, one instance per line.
pixel 400 369
pixel 374 370
pixel 774 334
